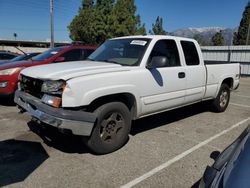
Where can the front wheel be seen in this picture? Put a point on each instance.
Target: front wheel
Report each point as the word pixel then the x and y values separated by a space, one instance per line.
pixel 111 129
pixel 221 102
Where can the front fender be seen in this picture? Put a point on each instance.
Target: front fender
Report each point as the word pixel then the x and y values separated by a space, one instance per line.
pixel 72 99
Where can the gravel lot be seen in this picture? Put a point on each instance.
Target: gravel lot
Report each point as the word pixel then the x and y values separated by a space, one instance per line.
pixel 171 149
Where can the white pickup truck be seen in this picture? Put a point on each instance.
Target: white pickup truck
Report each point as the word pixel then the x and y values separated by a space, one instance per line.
pixel 125 79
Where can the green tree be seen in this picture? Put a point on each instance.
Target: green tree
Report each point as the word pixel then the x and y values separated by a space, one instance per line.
pixel 82 27
pixel 240 38
pixel 218 39
pixel 200 40
pixel 104 19
pixel 124 19
pixel 103 15
pixel 157 27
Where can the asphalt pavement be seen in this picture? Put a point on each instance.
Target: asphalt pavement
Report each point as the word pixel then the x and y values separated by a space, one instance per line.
pixel 171 149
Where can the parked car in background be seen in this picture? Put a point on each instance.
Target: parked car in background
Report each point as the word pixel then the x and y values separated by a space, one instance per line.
pixel 9 72
pixel 6 56
pixel 23 57
pixel 231 168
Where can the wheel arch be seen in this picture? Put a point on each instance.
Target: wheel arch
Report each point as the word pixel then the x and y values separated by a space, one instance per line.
pixel 229 81
pixel 226 80
pixel 127 98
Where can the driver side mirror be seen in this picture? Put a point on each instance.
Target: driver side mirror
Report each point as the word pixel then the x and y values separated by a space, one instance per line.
pixel 158 61
pixel 59 59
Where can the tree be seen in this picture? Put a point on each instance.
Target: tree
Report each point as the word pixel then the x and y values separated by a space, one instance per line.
pixel 82 26
pixel 125 21
pixel 105 19
pixel 240 38
pixel 103 11
pixel 157 27
pixel 200 40
pixel 218 39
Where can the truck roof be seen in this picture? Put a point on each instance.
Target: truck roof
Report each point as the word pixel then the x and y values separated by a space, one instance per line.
pixel 155 37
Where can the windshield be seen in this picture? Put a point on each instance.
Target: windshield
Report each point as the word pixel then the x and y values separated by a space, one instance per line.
pixel 127 52
pixel 18 58
pixel 47 54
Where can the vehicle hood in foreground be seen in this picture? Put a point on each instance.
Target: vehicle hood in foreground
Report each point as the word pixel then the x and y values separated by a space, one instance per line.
pixel 237 173
pixel 69 70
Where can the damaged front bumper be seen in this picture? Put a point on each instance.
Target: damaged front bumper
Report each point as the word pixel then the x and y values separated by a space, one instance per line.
pixel 78 122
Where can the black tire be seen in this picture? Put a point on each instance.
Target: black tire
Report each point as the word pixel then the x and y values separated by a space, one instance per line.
pixel 221 102
pixel 111 129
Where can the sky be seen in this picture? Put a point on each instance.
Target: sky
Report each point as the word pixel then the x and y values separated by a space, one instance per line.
pixel 30 19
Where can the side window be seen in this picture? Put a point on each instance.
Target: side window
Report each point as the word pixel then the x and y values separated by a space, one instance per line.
pixel 168 49
pixel 190 53
pixel 7 56
pixel 73 55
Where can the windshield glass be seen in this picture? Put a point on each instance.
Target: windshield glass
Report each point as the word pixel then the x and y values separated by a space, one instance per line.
pixel 47 54
pixel 128 52
pixel 18 58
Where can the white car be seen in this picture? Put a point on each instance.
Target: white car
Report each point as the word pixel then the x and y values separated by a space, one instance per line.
pixel 124 79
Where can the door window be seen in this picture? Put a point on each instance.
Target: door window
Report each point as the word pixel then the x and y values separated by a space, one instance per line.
pixel 190 53
pixel 73 55
pixel 168 49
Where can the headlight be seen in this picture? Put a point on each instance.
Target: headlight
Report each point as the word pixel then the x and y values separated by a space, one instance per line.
pixel 10 71
pixel 52 100
pixel 53 87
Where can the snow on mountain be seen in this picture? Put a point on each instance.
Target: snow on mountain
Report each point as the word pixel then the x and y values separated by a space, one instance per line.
pixel 206 33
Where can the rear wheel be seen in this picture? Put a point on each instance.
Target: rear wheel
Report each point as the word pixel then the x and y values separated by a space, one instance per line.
pixel 221 102
pixel 111 128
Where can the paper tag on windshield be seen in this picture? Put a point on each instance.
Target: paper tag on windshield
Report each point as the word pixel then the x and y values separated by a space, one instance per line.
pixel 54 53
pixel 139 42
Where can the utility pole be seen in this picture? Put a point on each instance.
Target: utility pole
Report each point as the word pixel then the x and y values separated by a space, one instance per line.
pixel 51 25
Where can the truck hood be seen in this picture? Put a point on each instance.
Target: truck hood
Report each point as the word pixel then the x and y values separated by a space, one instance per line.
pixel 69 70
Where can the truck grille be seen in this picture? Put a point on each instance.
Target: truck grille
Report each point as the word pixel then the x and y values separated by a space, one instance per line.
pixel 31 85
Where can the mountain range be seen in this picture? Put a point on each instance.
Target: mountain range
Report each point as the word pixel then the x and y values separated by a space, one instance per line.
pixel 205 34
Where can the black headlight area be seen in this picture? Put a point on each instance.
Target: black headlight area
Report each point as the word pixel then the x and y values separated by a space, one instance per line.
pixel 55 87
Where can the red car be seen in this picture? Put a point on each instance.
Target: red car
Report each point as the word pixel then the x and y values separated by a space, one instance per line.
pixel 9 72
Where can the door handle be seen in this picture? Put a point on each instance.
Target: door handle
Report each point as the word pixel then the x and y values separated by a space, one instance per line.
pixel 181 74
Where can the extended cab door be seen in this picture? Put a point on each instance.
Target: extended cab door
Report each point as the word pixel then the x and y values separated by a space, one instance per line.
pixel 195 72
pixel 164 86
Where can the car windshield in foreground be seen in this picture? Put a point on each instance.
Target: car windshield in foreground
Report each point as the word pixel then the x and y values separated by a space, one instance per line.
pixel 127 52
pixel 47 54
pixel 18 58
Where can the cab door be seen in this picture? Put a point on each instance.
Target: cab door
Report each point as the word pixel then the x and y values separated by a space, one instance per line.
pixel 165 84
pixel 195 72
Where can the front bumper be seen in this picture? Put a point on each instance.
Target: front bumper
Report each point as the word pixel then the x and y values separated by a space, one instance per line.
pixel 79 122
pixel 5 95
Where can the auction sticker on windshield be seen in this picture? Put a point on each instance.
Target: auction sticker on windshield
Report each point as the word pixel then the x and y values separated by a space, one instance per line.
pixel 139 42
